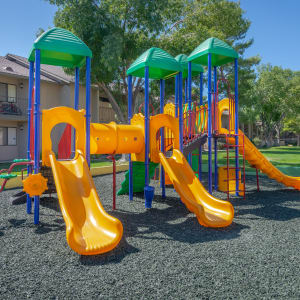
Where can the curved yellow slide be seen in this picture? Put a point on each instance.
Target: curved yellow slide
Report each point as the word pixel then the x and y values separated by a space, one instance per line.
pixel 89 229
pixel 210 211
pixel 255 157
pixel 259 161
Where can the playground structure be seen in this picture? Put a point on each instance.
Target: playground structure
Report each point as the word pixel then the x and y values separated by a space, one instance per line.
pixel 178 130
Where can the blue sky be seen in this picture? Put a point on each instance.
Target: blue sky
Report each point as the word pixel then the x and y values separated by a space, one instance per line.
pixel 275 28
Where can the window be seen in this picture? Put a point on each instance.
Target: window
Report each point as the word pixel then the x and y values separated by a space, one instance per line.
pixel 8 136
pixel 8 92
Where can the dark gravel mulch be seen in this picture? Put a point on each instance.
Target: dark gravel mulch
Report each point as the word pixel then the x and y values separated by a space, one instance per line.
pixel 164 253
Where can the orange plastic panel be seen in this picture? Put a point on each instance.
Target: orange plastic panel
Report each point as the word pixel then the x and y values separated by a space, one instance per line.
pixel 57 115
pixel 112 138
pixel 157 122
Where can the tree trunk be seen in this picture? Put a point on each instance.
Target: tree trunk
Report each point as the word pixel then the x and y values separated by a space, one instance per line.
pixel 298 139
pixel 250 131
pixel 113 102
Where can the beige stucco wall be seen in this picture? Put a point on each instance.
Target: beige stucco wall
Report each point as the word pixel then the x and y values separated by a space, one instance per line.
pixel 52 95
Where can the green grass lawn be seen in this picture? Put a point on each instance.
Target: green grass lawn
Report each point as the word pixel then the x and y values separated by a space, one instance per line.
pixel 17 169
pixel 287 159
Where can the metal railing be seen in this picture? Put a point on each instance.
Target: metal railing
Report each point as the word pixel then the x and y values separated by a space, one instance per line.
pixel 13 106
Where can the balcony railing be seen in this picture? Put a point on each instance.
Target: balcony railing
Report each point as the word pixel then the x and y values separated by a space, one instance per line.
pixel 13 106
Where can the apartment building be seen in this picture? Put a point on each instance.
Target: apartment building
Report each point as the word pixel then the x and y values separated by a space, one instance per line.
pixel 57 89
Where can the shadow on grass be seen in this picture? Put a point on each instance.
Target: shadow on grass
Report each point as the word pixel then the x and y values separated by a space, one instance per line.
pixel 280 152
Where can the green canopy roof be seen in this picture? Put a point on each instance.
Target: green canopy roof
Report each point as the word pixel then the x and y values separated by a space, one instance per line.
pixel 60 47
pixel 161 64
pixel 196 69
pixel 221 52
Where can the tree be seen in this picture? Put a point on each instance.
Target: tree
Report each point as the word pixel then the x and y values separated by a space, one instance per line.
pixel 118 31
pixel 293 125
pixel 275 96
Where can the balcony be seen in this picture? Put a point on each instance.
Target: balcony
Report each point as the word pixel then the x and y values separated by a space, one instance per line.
pixel 13 109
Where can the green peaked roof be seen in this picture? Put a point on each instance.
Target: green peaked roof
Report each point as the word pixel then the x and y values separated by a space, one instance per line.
pixel 221 52
pixel 60 47
pixel 196 69
pixel 161 64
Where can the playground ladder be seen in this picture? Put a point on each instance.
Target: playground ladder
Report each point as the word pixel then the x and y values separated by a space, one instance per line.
pixel 232 155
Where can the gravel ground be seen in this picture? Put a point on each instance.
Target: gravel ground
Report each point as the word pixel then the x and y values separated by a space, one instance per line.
pixel 164 253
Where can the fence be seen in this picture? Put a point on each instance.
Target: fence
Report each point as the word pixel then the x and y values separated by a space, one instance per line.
pixel 106 113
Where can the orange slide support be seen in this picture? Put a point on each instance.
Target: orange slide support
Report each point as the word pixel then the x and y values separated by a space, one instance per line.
pixel 256 158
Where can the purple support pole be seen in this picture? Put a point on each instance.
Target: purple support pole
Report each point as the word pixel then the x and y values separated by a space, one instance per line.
pixel 76 105
pixel 236 123
pixel 88 109
pixel 129 120
pixel 162 135
pixel 200 148
pixel 176 96
pixel 37 130
pixel 189 105
pixel 180 113
pixel 215 138
pixel 209 127
pixel 147 126
pixel 29 125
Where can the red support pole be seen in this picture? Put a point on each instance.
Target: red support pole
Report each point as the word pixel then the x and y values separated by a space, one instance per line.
pixel 112 157
pixel 257 179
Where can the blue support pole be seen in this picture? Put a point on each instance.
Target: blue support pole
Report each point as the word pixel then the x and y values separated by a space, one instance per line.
pixel 76 105
pixel 176 96
pixel 88 108
pixel 209 127
pixel 129 120
pixel 29 125
pixel 215 138
pixel 185 90
pixel 189 105
pixel 180 113
pixel 37 130
pixel 147 126
pixel 200 148
pixel 162 135
pixel 236 124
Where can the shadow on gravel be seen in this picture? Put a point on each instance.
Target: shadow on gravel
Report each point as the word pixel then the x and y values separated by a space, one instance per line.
pixel 51 203
pixel 113 257
pixel 269 205
pixel 44 228
pixel 175 222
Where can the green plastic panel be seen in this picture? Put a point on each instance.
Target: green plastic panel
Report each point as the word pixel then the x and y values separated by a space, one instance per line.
pixel 60 47
pixel 21 160
pixel 8 176
pixel 161 65
pixel 183 61
pixel 221 52
pixel 138 171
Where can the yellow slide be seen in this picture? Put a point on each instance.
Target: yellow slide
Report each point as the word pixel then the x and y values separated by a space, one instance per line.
pixel 90 230
pixel 254 156
pixel 257 159
pixel 210 211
